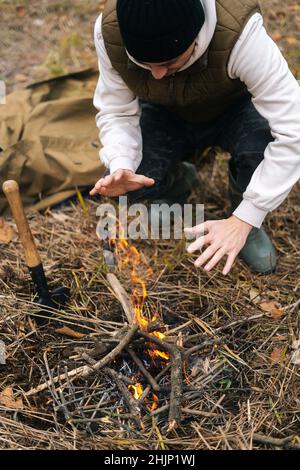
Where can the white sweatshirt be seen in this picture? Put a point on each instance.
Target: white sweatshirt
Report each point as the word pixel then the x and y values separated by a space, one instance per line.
pixel 255 60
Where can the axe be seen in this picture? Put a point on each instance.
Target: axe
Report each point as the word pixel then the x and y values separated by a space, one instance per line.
pixel 60 295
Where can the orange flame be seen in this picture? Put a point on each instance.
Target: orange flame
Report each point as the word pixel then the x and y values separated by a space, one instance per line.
pixel 131 258
pixel 154 405
pixel 155 353
pixel 137 390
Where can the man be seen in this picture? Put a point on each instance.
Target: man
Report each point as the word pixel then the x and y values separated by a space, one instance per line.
pixel 178 75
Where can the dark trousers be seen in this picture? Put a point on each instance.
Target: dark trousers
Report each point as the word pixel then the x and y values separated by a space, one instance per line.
pixel 241 131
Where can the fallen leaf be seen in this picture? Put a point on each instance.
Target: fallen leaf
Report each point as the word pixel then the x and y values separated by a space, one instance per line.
pixel 7 399
pixel 276 355
pixel 65 330
pixel 273 308
pixel 6 232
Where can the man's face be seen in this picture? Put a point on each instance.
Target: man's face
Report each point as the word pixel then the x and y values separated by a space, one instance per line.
pixel 164 69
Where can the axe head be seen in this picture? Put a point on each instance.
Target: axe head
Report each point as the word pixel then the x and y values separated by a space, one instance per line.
pixel 56 300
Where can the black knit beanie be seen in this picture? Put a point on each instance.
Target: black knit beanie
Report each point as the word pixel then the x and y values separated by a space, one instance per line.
pixel 159 30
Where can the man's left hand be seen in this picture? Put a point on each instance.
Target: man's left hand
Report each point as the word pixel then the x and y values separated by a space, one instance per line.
pixel 225 237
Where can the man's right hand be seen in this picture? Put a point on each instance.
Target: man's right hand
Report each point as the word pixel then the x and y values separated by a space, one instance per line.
pixel 119 183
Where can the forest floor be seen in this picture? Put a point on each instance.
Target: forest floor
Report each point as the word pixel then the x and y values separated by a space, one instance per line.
pixel 240 383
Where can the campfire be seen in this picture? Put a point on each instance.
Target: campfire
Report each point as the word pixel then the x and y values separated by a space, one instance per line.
pixel 145 368
pixel 144 360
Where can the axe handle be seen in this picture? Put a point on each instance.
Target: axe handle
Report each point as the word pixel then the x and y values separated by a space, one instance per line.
pixel 12 192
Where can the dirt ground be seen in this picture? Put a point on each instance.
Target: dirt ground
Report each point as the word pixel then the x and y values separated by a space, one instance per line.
pixel 42 38
pixel 241 386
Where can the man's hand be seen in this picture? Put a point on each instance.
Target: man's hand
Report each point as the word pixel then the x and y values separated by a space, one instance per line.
pixel 225 238
pixel 119 183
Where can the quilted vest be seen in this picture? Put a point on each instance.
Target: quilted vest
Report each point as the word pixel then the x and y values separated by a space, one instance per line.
pixel 202 92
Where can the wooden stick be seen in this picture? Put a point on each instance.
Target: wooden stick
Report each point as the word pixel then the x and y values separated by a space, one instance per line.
pixel 188 411
pixel 286 442
pixel 240 322
pixel 153 339
pixel 85 371
pixel 179 328
pixel 295 306
pixel 205 414
pixel 143 370
pixel 176 378
pixel 176 391
pixel 122 297
pixel 160 410
pixel 193 349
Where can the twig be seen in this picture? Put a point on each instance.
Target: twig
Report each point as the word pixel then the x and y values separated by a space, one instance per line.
pixel 295 306
pixel 162 344
pixel 122 297
pixel 286 442
pixel 205 414
pixel 193 349
pixel 160 410
pixel 144 371
pixel 240 322
pixel 178 328
pixel 216 370
pixel 92 362
pixel 188 411
pixel 84 371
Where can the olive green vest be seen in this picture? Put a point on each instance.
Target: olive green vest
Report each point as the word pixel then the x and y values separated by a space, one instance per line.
pixel 203 91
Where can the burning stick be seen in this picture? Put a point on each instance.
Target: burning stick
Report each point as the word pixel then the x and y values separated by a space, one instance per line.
pixel 176 378
pixel 121 296
pixel 144 371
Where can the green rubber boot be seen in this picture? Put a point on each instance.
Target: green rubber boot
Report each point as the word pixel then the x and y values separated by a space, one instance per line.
pixel 258 251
